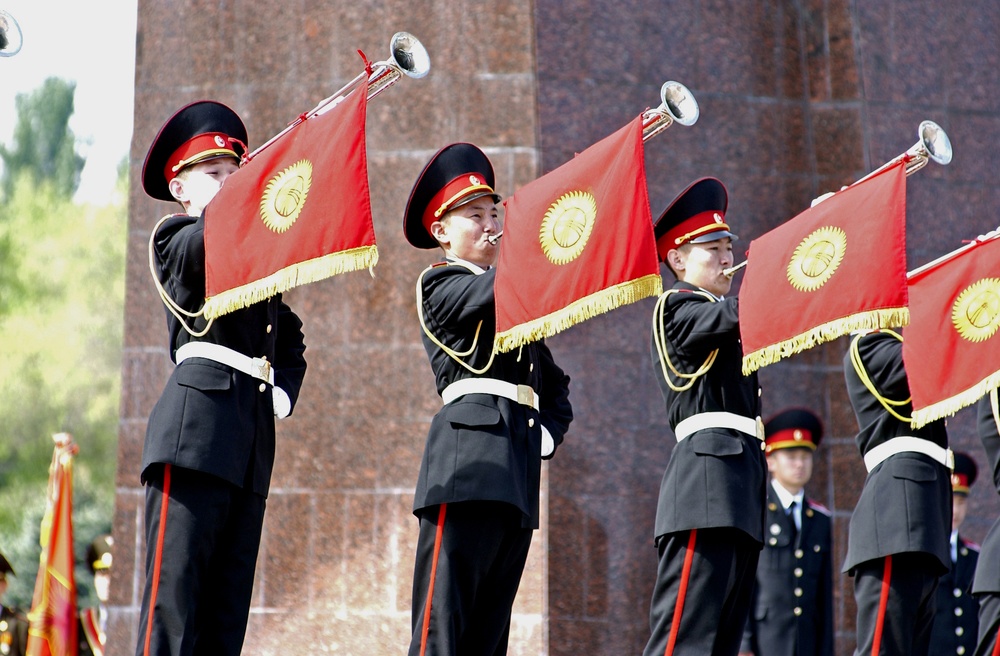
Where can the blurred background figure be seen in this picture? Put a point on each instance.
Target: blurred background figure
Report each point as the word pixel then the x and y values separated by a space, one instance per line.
pixel 956 619
pixel 792 609
pixel 93 620
pixel 13 622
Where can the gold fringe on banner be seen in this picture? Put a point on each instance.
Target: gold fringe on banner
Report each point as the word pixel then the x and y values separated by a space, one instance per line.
pixel 953 404
pixel 827 332
pixel 579 311
pixel 320 268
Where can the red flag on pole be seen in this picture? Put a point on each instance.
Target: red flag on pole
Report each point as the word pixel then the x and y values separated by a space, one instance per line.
pixel 837 267
pixel 577 242
pixel 297 212
pixel 951 349
pixel 53 618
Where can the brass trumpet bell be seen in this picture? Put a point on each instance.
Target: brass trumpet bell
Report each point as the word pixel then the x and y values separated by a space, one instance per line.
pixel 934 142
pixel 409 55
pixel 10 35
pixel 677 105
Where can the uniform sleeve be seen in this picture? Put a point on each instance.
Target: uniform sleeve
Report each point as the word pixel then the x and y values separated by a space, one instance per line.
pixel 180 247
pixel 289 357
pixel 696 323
pixel 989 434
pixel 454 297
pixel 554 406
pixel 882 356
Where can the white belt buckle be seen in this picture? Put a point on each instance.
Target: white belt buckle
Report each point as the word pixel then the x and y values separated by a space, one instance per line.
pixel 526 395
pixel 260 368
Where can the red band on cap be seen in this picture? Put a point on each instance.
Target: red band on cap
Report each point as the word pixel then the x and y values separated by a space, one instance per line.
pixel 688 229
pixel 452 194
pixel 789 438
pixel 197 149
pixel 959 483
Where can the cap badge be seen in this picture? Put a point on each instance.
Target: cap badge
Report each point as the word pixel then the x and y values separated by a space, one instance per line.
pixel 816 258
pixel 474 181
pixel 976 311
pixel 567 225
pixel 285 195
pixel 717 217
pixel 220 142
pixel 797 434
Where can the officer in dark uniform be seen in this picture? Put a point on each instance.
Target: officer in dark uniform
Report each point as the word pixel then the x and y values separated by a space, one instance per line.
pixel 477 492
pixel 898 536
pixel 792 613
pixel 13 622
pixel 93 620
pixel 956 623
pixel 710 513
pixel 986 584
pixel 210 439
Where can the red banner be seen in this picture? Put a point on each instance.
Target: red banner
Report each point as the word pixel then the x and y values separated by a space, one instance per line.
pixel 53 618
pixel 577 242
pixel 951 349
pixel 837 267
pixel 298 212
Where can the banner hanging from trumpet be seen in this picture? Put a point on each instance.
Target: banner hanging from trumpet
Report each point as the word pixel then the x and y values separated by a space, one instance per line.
pixel 837 267
pixel 951 350
pixel 577 242
pixel 53 618
pixel 298 212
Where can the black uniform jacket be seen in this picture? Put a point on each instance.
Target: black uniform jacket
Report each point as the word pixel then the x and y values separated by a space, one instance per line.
pixel 956 614
pixel 482 447
pixel 211 418
pixel 905 505
pixel 792 613
pixel 715 477
pixel 987 578
pixel 13 632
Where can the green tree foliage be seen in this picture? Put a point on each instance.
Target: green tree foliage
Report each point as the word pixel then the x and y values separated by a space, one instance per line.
pixel 61 354
pixel 43 145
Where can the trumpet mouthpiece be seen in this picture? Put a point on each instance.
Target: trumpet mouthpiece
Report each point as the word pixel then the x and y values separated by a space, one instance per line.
pixel 493 239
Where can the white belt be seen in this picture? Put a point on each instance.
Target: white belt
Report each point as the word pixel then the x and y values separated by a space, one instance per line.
pixel 905 444
pixel 259 368
pixel 522 394
pixel 704 420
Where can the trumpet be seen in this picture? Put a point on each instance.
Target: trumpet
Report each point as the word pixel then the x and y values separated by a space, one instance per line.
pixel 407 56
pixel 10 35
pixel 493 239
pixel 677 105
pixel 933 144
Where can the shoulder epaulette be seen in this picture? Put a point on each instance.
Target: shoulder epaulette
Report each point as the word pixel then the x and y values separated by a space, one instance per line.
pixel 970 544
pixel 818 507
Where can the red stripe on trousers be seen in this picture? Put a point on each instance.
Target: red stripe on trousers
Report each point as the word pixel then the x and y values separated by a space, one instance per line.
pixel 883 601
pixel 996 644
pixel 158 559
pixel 681 593
pixel 430 588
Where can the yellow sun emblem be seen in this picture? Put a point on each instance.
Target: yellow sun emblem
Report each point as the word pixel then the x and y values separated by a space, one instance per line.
pixel 816 258
pixel 285 195
pixel 976 311
pixel 567 225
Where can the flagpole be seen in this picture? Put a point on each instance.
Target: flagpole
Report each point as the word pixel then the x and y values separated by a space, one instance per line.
pixel 978 241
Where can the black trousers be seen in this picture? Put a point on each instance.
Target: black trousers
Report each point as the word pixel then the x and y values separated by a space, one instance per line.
pixel 989 623
pixel 468 566
pixel 896 600
pixel 202 538
pixel 701 599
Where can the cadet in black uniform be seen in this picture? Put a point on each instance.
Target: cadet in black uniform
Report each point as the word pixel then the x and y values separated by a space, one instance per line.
pixel 792 614
pixel 477 492
pixel 956 618
pixel 13 622
pixel 986 584
pixel 898 535
pixel 710 513
pixel 93 620
pixel 209 448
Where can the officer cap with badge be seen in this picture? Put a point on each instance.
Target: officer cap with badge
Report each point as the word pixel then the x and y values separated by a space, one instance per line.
pixel 964 474
pixel 99 556
pixel 457 174
pixel 197 132
pixel 792 428
pixel 697 215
